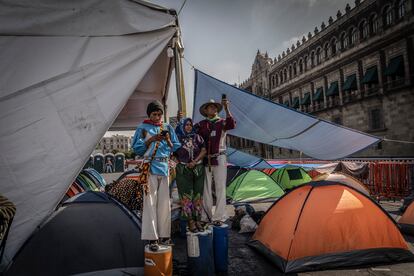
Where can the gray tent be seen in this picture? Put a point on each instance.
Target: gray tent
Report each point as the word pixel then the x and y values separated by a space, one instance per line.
pixel 91 233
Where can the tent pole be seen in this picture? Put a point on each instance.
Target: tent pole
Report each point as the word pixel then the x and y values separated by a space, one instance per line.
pixel 179 77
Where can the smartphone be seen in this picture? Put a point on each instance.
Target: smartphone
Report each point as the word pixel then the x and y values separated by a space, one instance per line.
pixel 223 96
pixel 164 132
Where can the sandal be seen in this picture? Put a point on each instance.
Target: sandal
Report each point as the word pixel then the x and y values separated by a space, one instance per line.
pixel 153 246
pixel 217 223
pixel 166 241
pixel 200 226
pixel 192 226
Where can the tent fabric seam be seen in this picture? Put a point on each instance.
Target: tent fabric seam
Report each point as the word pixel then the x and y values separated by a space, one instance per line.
pixel 298 220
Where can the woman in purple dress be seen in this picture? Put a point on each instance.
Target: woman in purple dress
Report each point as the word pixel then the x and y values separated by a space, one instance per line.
pixel 190 174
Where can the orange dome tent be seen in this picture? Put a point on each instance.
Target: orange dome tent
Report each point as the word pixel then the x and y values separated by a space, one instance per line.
pixel 407 220
pixel 325 224
pixel 344 179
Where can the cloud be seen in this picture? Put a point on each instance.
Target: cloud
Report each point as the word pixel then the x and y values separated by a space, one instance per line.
pixel 288 43
pixel 313 3
pixel 274 52
pixel 230 71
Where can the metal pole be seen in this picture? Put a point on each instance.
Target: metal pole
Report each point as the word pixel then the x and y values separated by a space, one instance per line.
pixel 179 76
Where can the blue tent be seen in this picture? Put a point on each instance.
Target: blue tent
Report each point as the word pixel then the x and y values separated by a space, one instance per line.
pixel 245 160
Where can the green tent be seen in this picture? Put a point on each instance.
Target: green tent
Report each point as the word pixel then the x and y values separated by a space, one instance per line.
pixel 88 182
pixel 289 177
pixel 253 186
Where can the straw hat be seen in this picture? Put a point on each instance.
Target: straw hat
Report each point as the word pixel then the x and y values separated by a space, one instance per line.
pixel 211 102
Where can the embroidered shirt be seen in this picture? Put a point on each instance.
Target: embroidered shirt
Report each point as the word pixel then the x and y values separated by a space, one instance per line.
pixel 158 167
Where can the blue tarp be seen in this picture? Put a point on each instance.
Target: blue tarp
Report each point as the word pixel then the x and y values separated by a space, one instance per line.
pixel 264 121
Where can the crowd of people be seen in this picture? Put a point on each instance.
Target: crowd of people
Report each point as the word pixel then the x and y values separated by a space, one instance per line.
pixel 199 151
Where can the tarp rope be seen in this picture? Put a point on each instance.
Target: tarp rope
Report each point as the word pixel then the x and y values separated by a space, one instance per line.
pixel 397 141
pixel 182 6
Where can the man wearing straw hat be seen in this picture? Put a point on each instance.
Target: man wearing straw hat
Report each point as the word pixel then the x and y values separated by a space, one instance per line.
pixel 213 130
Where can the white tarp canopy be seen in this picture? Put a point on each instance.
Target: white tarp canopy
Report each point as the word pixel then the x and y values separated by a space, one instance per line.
pixel 68 69
pixel 270 123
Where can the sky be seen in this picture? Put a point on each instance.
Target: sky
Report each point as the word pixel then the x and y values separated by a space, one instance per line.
pixel 221 37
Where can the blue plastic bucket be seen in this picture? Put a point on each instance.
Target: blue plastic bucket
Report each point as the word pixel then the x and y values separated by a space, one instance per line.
pixel 200 257
pixel 221 247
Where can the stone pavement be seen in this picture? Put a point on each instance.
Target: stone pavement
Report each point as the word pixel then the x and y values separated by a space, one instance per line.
pixel 244 261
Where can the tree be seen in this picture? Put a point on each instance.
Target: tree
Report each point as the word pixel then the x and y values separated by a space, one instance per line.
pixel 130 154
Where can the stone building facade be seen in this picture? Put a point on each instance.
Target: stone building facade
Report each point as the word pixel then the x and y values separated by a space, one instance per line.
pixel 121 143
pixel 356 70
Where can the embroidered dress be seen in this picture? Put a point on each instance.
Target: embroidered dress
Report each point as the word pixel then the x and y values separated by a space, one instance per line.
pixel 190 181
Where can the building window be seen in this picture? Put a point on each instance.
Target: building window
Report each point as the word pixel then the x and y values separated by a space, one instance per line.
pixel 333 89
pixel 296 103
pixel 374 24
pixel 353 35
pixel 294 69
pixel 312 59
pixel 281 77
pixel 318 56
pixel 364 29
pixel 326 50
pixel 395 71
pixel 333 46
pixel 318 96
pixel 305 62
pixel 300 66
pixel 290 72
pixel 401 8
pixel 395 67
pixel 350 83
pixel 375 119
pixel 388 16
pixel 370 80
pixel 285 74
pixel 344 41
